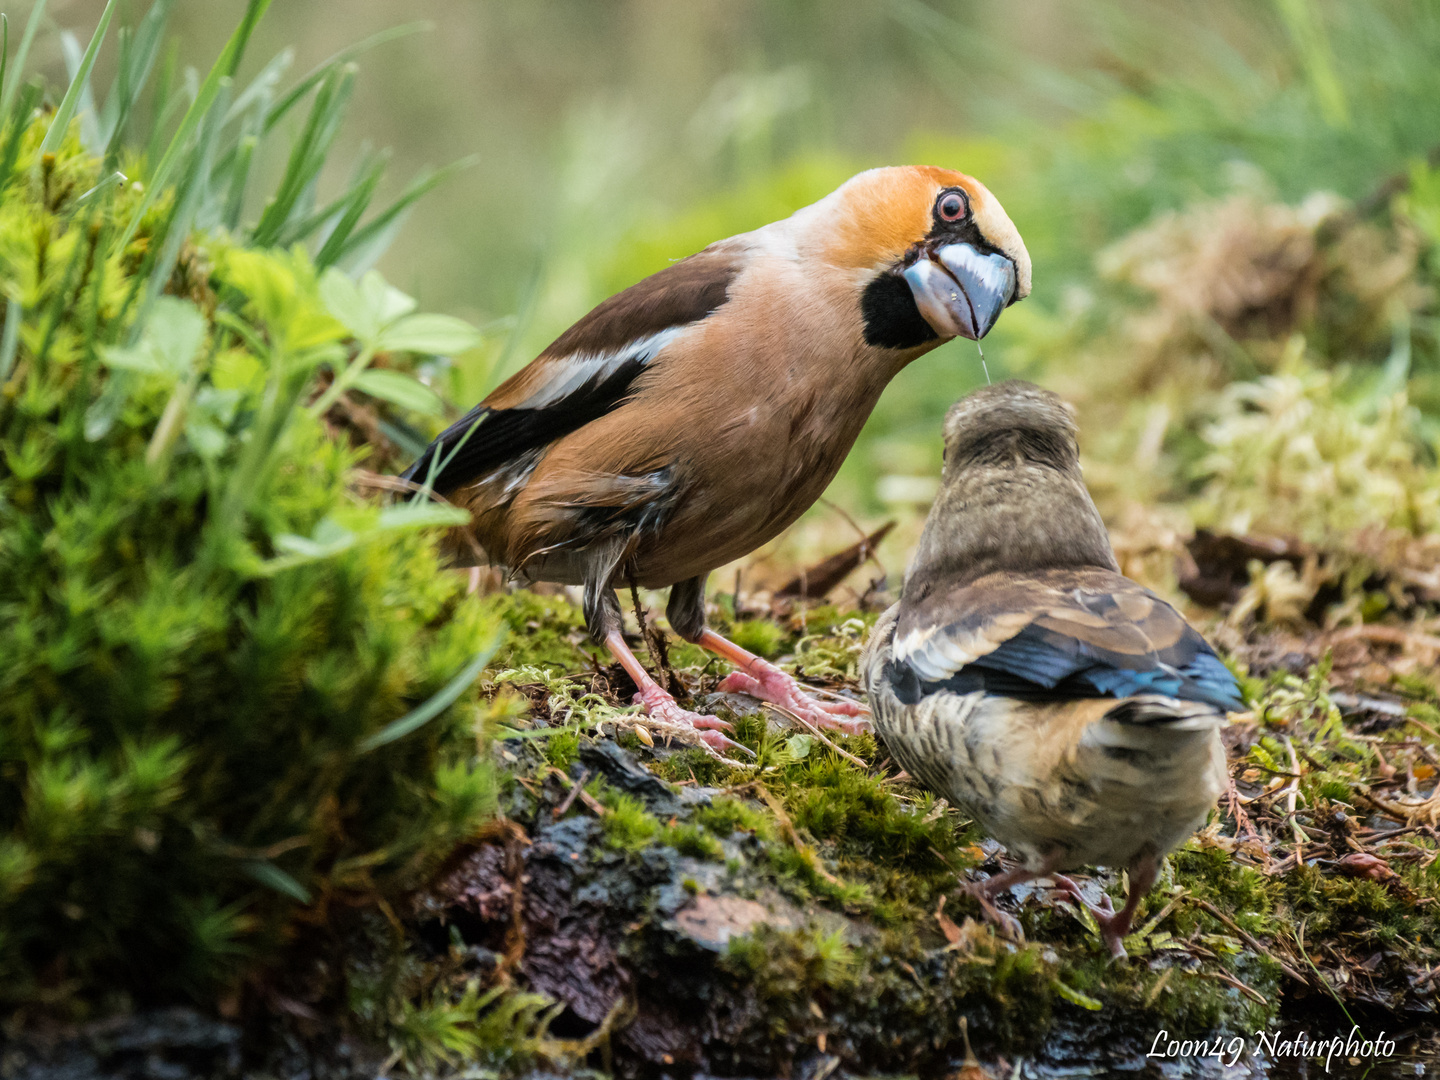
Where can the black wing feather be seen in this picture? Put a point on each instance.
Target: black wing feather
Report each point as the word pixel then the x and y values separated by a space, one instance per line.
pixel 485 439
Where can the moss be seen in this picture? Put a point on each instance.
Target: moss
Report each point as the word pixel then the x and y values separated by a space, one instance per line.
pixel 627 825
pixel 760 636
pixel 1240 891
pixel 786 969
pixel 725 816
pixel 693 840
pixel 206 635
pixel 546 631
pixel 562 748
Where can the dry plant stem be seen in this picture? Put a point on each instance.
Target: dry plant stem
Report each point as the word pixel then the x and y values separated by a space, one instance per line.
pixel 1249 992
pixel 1292 792
pixel 1249 939
pixel 576 787
pixel 1426 809
pixel 792 834
pixel 620 1014
pixel 1424 727
pixel 366 478
pixel 1243 825
pixel 591 803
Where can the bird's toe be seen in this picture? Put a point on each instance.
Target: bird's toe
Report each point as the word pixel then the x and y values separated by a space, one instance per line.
pixel 770 684
pixel 664 709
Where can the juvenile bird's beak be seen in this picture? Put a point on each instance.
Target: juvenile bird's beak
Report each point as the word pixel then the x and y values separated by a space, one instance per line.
pixel 959 291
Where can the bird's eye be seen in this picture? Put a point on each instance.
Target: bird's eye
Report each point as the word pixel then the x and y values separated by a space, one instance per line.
pixel 951 206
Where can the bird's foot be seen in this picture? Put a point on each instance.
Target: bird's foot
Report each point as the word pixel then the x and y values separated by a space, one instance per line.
pixel 1114 925
pixel 765 682
pixel 1007 924
pixel 660 706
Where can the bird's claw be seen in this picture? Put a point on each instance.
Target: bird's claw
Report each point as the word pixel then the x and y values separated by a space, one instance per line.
pixel 659 705
pixel 766 682
pixel 1007 924
pixel 1113 925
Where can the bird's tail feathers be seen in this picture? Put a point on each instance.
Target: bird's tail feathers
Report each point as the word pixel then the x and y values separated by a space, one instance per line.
pixel 1173 713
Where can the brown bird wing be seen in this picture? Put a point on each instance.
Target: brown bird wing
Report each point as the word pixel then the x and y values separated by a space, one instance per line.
pixel 1070 632
pixel 584 374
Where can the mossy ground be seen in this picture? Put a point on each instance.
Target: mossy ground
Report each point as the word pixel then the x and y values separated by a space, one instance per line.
pixel 849 934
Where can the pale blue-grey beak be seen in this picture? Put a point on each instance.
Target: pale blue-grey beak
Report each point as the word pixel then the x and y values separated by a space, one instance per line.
pixel 961 292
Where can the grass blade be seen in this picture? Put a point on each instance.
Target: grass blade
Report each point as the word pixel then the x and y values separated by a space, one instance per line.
pixel 223 69
pixel 101 415
pixel 32 24
pixel 345 212
pixel 307 157
pixel 137 61
pixel 78 86
pixel 85 106
pixel 164 101
pixel 344 56
pixel 10 341
pixel 367 243
pixel 262 87
pixel 438 703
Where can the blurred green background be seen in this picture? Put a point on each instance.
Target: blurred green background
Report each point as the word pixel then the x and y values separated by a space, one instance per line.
pixel 610 136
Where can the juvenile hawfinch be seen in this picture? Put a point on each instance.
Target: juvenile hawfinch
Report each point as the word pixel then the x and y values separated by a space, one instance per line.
pixel 1072 713
pixel 693 417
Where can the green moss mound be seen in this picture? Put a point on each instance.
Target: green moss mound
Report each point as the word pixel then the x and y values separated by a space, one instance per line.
pixel 226 680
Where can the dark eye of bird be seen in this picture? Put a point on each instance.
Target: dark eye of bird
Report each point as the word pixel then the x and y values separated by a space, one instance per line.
pixel 951 206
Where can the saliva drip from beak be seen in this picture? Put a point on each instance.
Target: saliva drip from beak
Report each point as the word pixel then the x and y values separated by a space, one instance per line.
pixel 984 366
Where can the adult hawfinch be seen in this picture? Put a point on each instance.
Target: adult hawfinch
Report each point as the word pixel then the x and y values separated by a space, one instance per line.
pixel 691 418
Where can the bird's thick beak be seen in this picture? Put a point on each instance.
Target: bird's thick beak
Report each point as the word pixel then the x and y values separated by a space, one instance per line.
pixel 961 292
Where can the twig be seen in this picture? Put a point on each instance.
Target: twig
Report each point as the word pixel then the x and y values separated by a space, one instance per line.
pixel 577 791
pixel 1424 727
pixel 366 478
pixel 577 786
pixel 1426 809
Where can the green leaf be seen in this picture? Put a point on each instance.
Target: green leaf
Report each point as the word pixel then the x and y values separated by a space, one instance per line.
pixel 176 331
pixel 798 746
pixel 1075 997
pixel 400 389
pixel 329 538
pixel 236 369
pixel 430 334
pixel 270 875
pixel 344 301
pixel 173 336
pixel 442 700
pixel 386 302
